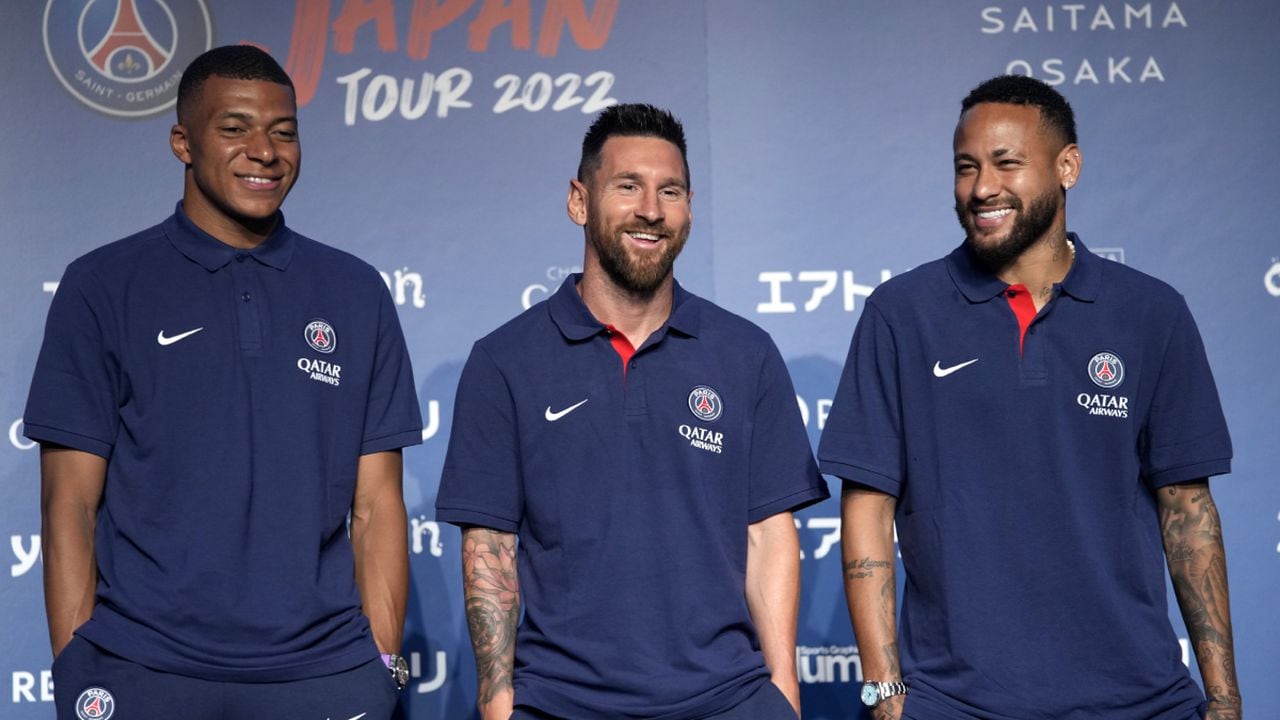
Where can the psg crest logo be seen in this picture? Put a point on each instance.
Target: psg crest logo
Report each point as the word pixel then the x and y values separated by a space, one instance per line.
pixel 320 336
pixel 124 57
pixel 95 703
pixel 1106 370
pixel 705 403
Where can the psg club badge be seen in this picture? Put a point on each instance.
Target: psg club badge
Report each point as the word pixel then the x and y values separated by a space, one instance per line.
pixel 125 58
pixel 705 403
pixel 1106 370
pixel 95 703
pixel 320 336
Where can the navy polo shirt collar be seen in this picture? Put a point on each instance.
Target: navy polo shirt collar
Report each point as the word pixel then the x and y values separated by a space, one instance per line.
pixel 576 322
pixel 201 247
pixel 980 285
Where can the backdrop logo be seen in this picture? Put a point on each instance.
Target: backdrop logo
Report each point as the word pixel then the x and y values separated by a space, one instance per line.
pixel 1272 279
pixel 124 57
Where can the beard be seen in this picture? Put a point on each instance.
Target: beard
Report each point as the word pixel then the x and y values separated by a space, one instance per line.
pixel 1030 226
pixel 638 274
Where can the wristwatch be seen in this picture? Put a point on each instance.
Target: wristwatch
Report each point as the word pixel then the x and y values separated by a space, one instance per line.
pixel 873 693
pixel 399 669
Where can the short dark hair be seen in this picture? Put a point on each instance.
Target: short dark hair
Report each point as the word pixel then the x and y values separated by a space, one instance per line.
pixel 1055 111
pixel 238 62
pixel 630 120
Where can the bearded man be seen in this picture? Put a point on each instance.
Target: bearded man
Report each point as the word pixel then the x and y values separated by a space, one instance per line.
pixel 1041 424
pixel 645 448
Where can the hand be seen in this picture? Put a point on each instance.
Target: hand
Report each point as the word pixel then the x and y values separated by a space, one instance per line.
pixel 889 708
pixel 1224 708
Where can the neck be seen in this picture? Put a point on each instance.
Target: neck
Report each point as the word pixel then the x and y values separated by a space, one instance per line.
pixel 1042 266
pixel 243 234
pixel 634 315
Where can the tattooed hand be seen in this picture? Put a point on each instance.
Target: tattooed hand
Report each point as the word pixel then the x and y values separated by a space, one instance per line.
pixel 889 709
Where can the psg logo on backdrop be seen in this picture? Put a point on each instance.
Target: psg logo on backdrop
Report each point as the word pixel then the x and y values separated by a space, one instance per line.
pixel 95 703
pixel 124 57
pixel 1106 370
pixel 705 403
pixel 320 336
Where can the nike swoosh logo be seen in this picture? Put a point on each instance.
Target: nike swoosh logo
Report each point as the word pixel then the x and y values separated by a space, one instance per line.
pixel 171 340
pixel 355 717
pixel 554 416
pixel 939 371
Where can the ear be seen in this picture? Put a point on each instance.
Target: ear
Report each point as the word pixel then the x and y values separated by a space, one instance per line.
pixel 577 202
pixel 1069 166
pixel 180 143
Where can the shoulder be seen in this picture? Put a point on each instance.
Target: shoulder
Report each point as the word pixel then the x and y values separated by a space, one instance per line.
pixel 339 267
pixel 524 332
pixel 1130 285
pixel 109 265
pixel 916 287
pixel 715 321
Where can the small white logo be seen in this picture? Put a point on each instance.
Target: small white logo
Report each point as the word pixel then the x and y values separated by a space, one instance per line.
pixel 702 438
pixel 160 338
pixel 939 371
pixel 554 416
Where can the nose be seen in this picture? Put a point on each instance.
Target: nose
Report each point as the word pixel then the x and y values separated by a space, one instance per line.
pixel 261 148
pixel 650 208
pixel 986 183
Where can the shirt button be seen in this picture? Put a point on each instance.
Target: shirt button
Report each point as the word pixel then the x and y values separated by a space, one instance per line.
pixel 633 364
pixel 1032 331
pixel 1011 293
pixel 245 296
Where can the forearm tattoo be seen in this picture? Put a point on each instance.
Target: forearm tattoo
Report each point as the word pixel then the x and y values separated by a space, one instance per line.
pixel 1192 533
pixel 492 591
pixel 864 568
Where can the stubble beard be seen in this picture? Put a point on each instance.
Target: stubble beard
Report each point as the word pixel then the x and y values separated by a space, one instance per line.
pixel 637 276
pixel 1030 226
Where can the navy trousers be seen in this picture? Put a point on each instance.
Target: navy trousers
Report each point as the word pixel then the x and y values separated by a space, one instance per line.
pixel 90 683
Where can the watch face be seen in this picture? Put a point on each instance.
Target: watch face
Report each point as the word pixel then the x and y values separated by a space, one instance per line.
pixel 869 694
pixel 400 671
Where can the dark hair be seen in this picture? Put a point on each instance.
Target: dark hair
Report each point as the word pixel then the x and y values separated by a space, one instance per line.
pixel 1055 111
pixel 630 120
pixel 238 62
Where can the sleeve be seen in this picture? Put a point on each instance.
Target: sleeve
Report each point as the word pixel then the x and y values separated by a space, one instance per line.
pixel 862 441
pixel 783 475
pixel 77 387
pixel 1185 437
pixel 481 482
pixel 392 417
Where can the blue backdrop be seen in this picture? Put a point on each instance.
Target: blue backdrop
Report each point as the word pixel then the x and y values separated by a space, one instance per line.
pixel 439 138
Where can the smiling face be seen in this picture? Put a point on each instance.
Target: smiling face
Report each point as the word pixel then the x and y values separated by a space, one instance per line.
pixel 636 211
pixel 239 141
pixel 1010 176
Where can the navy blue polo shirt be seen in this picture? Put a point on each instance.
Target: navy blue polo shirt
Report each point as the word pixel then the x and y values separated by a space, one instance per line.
pixel 1026 516
pixel 232 393
pixel 631 499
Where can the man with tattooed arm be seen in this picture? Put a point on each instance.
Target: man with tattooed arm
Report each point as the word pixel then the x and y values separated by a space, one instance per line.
pixel 1041 424
pixel 645 448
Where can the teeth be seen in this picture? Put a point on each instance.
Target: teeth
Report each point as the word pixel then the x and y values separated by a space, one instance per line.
pixel 644 236
pixel 993 214
pixel 257 180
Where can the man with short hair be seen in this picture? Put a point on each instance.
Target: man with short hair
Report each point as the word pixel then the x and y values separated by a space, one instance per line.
pixel 1040 423
pixel 645 448
pixel 214 397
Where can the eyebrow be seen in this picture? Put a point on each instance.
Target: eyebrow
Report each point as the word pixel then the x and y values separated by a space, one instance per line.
pixel 249 117
pixel 630 175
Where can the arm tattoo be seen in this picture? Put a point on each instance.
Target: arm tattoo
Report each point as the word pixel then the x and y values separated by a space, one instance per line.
pixel 864 568
pixel 492 591
pixel 1192 533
